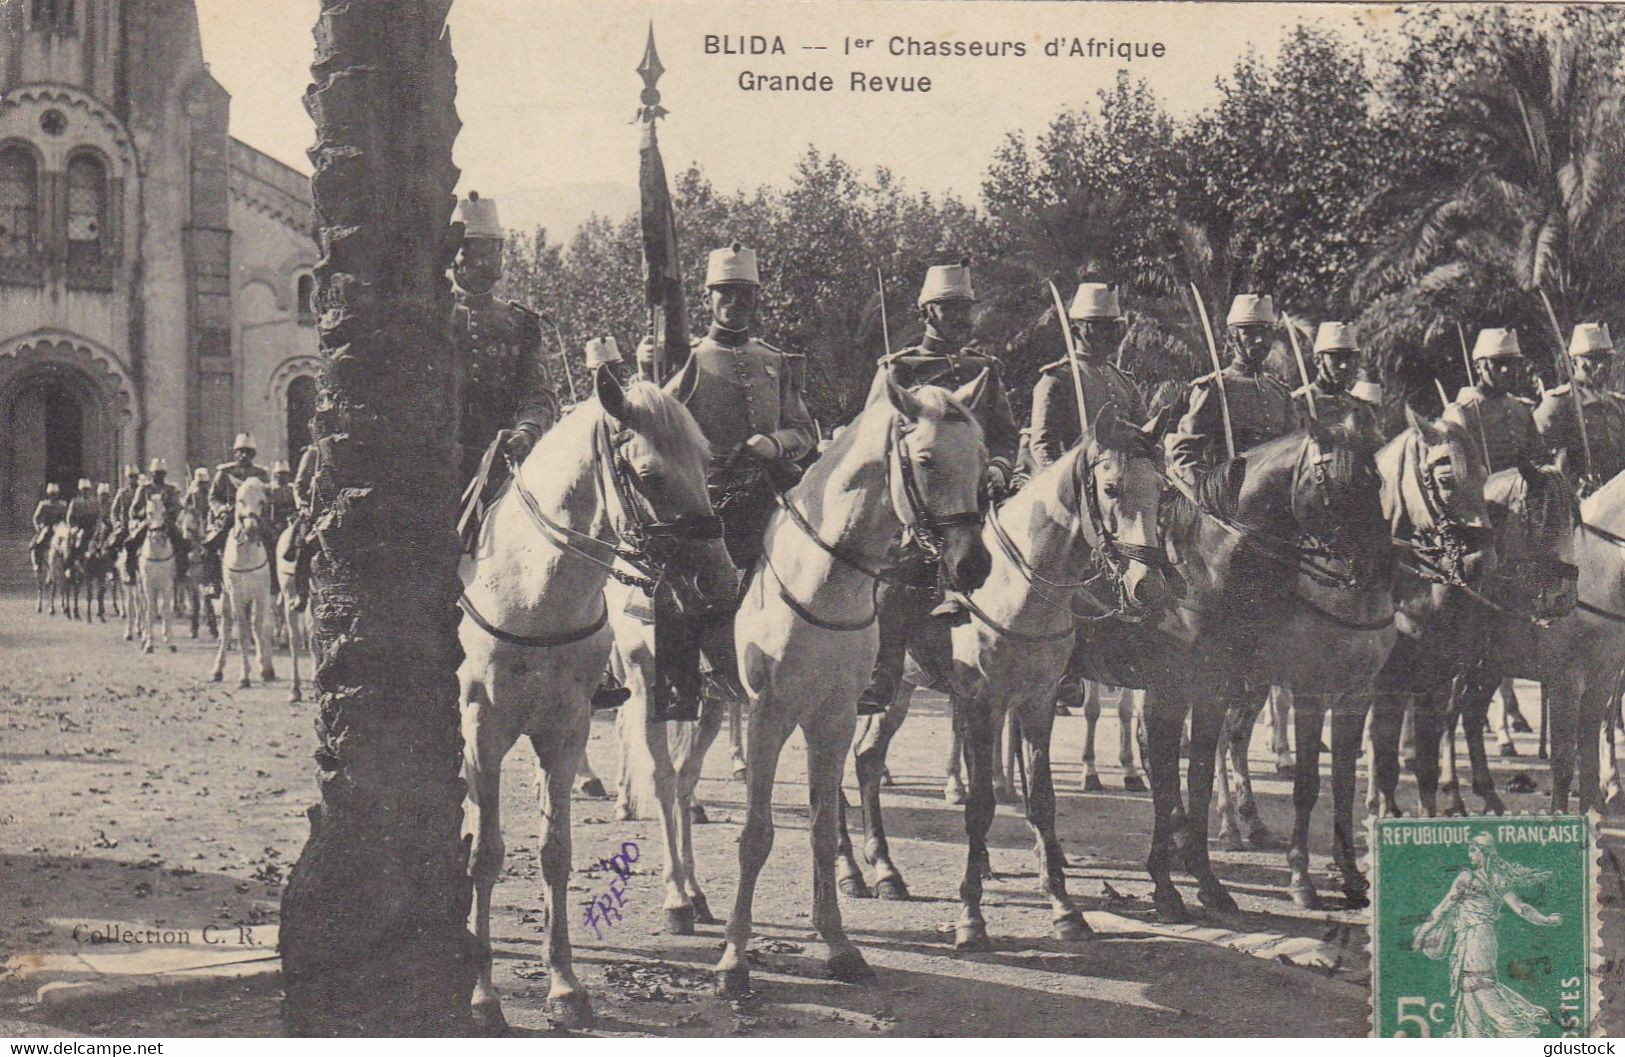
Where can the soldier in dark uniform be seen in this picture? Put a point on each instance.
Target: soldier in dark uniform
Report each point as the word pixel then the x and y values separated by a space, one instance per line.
pixel 946 305
pixel 504 388
pixel 301 546
pixel 1591 351
pixel 48 514
pixel 1337 356
pixel 119 514
pixel 1260 404
pixel 1097 320
pixel 1491 411
pixel 223 505
pixel 84 516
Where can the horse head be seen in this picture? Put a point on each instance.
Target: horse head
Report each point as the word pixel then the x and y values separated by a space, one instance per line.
pixel 253 506
pixel 940 461
pixel 1121 484
pixel 1433 479
pixel 657 459
pixel 1337 495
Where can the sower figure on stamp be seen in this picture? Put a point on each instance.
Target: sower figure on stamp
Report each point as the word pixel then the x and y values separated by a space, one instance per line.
pixel 1591 351
pixel 742 392
pixel 223 506
pixel 1098 327
pixel 507 399
pixel 947 305
pixel 1260 408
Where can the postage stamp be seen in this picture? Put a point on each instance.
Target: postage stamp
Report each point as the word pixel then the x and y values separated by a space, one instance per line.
pixel 1483 927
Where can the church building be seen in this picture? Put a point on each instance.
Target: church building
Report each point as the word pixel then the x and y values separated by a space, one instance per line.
pixel 155 273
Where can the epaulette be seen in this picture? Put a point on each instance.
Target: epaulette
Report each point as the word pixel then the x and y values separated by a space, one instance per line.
pixel 1057 365
pixel 1205 379
pixel 1558 390
pixel 770 347
pixel 525 310
pixel 224 466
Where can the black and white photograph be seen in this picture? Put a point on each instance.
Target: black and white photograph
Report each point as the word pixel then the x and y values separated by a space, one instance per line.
pixel 810 519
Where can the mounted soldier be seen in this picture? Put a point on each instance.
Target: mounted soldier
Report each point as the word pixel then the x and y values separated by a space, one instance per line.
pixel 223 504
pixel 507 402
pixel 156 484
pixel 196 498
pixel 48 514
pixel 1097 322
pixel 742 392
pixel 84 516
pixel 301 545
pixel 946 305
pixel 283 507
pixel 1260 405
pixel 1491 411
pixel 1330 395
pixel 1591 351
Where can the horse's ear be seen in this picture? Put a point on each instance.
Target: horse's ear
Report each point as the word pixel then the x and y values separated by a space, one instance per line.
pixel 1419 423
pixel 1105 424
pixel 973 392
pixel 611 397
pixel 1157 425
pixel 906 403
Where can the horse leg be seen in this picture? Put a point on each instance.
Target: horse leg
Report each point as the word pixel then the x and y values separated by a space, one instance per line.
pixel 1035 723
pixel 870 763
pixel 829 738
pixel 265 610
pixel 765 735
pixel 483 750
pixel 848 874
pixel 567 1002
pixel 953 783
pixel 1128 732
pixel 247 616
pixel 1163 716
pixel 736 748
pixel 1428 722
pixel 1091 719
pixel 701 738
pixel 1475 714
pixel 1240 745
pixel 975 720
pixel 169 640
pixel 662 779
pixel 1309 714
pixel 220 649
pixel 1207 716
pixel 295 631
pixel 1004 775
pixel 148 600
pixel 587 782
pixel 1565 728
pixel 1387 728
pixel 1348 731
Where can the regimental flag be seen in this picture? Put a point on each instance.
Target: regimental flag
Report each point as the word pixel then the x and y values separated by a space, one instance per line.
pixel 662 274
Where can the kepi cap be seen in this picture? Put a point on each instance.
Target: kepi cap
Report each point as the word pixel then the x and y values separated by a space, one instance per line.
pixel 1497 343
pixel 131 470
pixel 84 482
pixel 601 351
pixel 947 282
pixel 53 489
pixel 1251 310
pixel 280 466
pixel 200 474
pixel 158 465
pixel 732 264
pixel 1094 301
pixel 1590 339
pixel 104 488
pixel 1335 337
pixel 244 440
pixel 479 217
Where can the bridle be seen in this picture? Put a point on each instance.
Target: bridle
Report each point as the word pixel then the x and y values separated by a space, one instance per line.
pixel 643 541
pixel 920 527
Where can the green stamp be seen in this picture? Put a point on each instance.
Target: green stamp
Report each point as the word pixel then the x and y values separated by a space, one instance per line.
pixel 1483 927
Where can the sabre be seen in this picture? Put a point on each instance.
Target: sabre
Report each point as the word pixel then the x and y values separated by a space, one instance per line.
pixel 1574 386
pixel 885 328
pixel 1478 412
pixel 1071 359
pixel 564 356
pixel 1303 369
pixel 1218 372
pixel 1466 360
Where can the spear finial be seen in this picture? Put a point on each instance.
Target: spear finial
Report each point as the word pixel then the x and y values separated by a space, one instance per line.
pixel 650 70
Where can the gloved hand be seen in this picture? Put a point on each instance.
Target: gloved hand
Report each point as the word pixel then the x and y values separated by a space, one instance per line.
pixel 763 447
pixel 646 356
pixel 995 483
pixel 516 443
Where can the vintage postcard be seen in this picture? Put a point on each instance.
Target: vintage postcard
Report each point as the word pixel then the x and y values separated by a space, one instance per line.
pixel 651 519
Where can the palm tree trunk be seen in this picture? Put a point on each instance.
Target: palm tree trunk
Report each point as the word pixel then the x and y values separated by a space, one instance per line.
pixel 374 937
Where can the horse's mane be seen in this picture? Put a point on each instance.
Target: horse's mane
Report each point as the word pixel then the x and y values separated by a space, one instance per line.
pixel 1542 502
pixel 251 488
pixel 651 410
pixel 1399 464
pixel 936 403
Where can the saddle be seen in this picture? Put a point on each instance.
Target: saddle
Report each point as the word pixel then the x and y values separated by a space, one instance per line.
pixel 481 492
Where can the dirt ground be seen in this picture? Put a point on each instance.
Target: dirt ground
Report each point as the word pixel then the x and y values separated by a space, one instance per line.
pixel 136 794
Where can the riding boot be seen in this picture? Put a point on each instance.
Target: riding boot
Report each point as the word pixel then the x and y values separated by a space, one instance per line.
pixel 609 695
pixel 899 609
pixel 213 572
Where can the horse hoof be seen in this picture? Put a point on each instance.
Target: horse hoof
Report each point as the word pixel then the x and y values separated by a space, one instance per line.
pixel 1508 749
pixel 733 984
pixel 1215 897
pixel 849 967
pixel 886 778
pixel 268 677
pixel 1285 769
pixel 740 770
pixel 172 648
pixel 1133 783
pixel 1258 836
pixel 854 887
pixel 702 911
pixel 294 697
pixel 1071 928
pixel 697 815
pixel 488 1018
pixel 128 637
pixel 972 938
pixel 244 683
pixel 680 921
pixel 1170 906
pixel 147 648
pixel 1355 897
pixel 1093 784
pixel 953 791
pixel 1003 794
pixel 624 812
pixel 1304 896
pixel 215 678
pixel 1457 809
pixel 1493 805
pixel 569 1010
pixel 892 889
pixel 593 788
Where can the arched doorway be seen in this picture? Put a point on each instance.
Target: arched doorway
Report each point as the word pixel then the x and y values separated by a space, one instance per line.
pixel 301 408
pixel 47 421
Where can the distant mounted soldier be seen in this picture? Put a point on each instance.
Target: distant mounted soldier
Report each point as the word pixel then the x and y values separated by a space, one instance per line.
pixel 1591 351
pixel 1097 321
pixel 1491 411
pixel 157 484
pixel 1260 405
pixel 48 514
pixel 505 393
pixel 84 515
pixel 283 507
pixel 223 503
pixel 1337 357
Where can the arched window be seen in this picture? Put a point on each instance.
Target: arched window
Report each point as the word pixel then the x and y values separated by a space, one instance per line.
pixel 19 202
pixel 54 14
pixel 87 208
pixel 305 301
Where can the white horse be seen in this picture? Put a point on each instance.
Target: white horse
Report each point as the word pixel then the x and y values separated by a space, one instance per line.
pixel 247 598
pixel 156 566
pixel 912 463
pixel 59 567
pixel 298 629
pixel 624 471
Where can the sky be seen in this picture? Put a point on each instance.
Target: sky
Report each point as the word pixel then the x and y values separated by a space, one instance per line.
pixel 547 89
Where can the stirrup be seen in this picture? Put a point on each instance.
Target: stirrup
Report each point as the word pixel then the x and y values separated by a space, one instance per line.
pixel 606 698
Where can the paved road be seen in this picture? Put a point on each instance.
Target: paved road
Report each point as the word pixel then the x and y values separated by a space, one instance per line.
pixel 137 795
